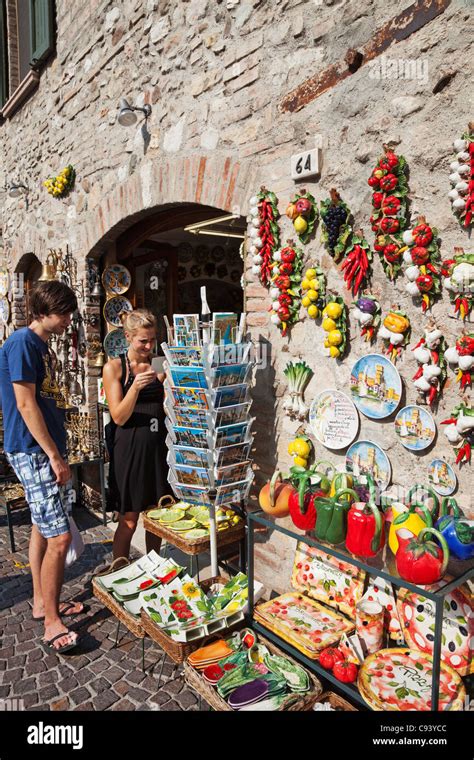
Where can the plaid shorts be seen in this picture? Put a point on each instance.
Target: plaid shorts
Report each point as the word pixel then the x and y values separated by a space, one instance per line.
pixel 49 503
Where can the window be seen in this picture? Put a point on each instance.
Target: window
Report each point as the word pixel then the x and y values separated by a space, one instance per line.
pixel 26 40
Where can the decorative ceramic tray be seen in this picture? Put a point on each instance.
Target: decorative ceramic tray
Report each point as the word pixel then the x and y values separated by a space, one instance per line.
pixel 4 281
pixel 114 308
pixel 376 386
pixel 401 679
pixel 116 279
pixel 418 619
pixel 327 579
pixel 115 343
pixel 415 428
pixel 301 621
pixel 366 457
pixel 4 309
pixel 333 419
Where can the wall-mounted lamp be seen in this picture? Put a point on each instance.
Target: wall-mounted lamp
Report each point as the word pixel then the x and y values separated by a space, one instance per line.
pixel 127 116
pixel 200 228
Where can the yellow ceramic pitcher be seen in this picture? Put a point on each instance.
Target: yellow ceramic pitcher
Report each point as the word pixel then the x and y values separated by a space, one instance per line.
pixel 406 517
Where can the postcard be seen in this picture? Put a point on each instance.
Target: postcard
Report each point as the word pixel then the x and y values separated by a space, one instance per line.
pixel 188 377
pixel 193 457
pixel 193 417
pixel 186 329
pixel 232 454
pixel 232 473
pixel 231 374
pixel 230 353
pixel 191 494
pixel 192 476
pixel 231 414
pixel 230 434
pixel 185 356
pixel 224 328
pixel 191 398
pixel 230 395
pixel 233 493
pixel 186 436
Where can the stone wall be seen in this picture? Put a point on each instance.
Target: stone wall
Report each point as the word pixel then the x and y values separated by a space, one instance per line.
pixel 236 87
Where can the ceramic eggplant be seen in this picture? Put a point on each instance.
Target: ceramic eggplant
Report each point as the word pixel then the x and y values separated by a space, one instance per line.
pixel 457 532
pixel 365 526
pixel 331 516
pixel 407 517
pixel 426 496
pixel 419 560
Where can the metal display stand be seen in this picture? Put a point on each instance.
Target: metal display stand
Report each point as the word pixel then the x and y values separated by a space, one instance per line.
pixel 206 441
pixel 437 597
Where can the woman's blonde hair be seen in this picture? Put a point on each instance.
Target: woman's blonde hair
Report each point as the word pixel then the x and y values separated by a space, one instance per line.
pixel 138 319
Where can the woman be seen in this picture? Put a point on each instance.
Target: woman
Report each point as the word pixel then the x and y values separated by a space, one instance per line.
pixel 134 394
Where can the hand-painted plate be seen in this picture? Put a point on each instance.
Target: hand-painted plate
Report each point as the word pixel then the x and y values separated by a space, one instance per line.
pixel 115 343
pixel 4 281
pixel 376 386
pixel 185 253
pixel 4 310
pixel 442 477
pixel 365 457
pixel 113 309
pixel 217 253
pixel 400 679
pixel 415 428
pixel 116 279
pixel 333 419
pixel 417 615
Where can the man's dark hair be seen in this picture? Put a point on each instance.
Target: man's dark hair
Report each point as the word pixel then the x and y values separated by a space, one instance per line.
pixel 52 297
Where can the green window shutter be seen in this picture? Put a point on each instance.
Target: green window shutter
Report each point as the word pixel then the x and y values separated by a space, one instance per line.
pixel 41 29
pixel 3 56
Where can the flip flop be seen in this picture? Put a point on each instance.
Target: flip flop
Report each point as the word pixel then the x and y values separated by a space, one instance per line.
pixel 65 613
pixel 47 644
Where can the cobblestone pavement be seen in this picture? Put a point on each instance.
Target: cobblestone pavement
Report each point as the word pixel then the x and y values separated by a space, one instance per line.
pixel 99 675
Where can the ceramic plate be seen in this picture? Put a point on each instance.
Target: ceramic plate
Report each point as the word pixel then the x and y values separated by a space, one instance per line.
pixel 115 343
pixel 417 615
pixel 442 477
pixel 415 427
pixel 333 419
pixel 400 679
pixel 217 253
pixel 4 309
pixel 365 457
pixel 116 279
pixel 114 308
pixel 4 281
pixel 202 253
pixel 376 386
pixel 185 253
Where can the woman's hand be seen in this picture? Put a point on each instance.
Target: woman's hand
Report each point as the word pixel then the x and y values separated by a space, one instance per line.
pixel 142 379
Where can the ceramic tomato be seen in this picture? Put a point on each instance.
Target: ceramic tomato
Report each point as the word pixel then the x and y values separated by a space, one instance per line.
pixel 329 657
pixel 345 671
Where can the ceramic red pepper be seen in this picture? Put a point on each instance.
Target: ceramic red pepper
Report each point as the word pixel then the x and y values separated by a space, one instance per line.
pixel 419 560
pixel 365 530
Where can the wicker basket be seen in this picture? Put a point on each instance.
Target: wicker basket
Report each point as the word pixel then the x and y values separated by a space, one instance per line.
pixel 339 703
pixel 294 702
pixel 197 545
pixel 178 650
pixel 134 626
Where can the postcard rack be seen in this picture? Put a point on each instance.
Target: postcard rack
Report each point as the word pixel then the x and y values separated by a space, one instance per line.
pixel 208 421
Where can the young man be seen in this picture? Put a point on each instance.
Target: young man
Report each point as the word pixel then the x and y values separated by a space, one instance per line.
pixel 35 444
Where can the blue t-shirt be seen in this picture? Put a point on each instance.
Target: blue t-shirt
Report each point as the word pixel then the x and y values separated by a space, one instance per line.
pixel 25 357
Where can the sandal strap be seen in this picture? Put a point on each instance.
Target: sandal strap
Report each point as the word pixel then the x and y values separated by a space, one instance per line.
pixel 68 606
pixel 49 642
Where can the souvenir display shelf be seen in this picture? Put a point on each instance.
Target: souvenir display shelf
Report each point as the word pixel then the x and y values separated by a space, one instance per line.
pixel 375 567
pixel 208 412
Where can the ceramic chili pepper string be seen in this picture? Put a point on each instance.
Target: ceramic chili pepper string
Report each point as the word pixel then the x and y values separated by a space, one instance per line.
pixel 458 274
pixel 429 353
pixel 460 429
pixel 423 263
pixel 389 217
pixel 462 178
pixel 461 355
pixel 367 313
pixel 356 265
pixel 303 212
pixel 286 286
pixel 395 331
pixel 336 225
pixel 264 232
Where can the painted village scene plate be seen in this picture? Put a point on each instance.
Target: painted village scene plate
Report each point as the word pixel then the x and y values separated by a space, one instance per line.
pixel 367 458
pixel 442 477
pixel 333 419
pixel 376 386
pixel 415 428
pixel 401 679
